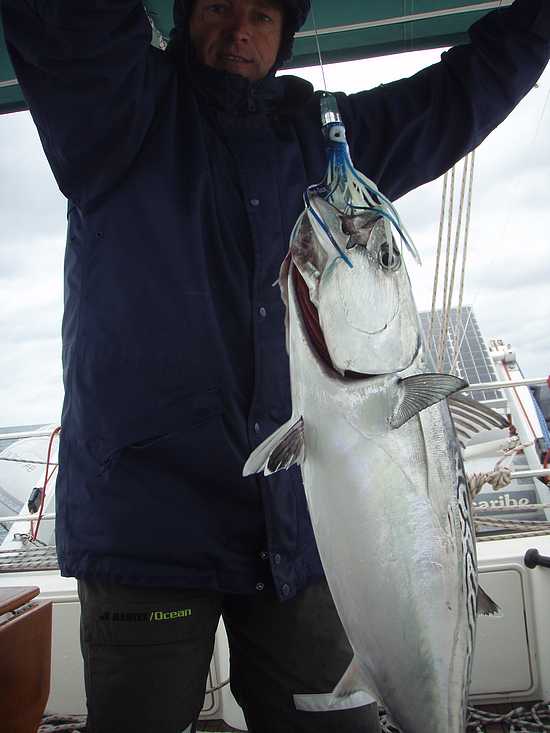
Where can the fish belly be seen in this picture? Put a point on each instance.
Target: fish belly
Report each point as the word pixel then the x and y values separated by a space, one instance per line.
pixel 393 568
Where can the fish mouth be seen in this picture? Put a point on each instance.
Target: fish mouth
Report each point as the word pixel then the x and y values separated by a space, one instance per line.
pixel 312 325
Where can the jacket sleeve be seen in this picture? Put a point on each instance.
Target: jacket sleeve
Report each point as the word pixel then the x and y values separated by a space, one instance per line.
pixel 410 132
pixel 86 70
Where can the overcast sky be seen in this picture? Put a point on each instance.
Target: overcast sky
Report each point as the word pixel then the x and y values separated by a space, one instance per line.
pixel 508 275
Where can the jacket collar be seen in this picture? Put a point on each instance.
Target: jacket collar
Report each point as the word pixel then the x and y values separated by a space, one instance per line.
pixel 234 94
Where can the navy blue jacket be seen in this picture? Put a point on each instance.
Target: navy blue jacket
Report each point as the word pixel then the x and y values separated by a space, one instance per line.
pixel 183 185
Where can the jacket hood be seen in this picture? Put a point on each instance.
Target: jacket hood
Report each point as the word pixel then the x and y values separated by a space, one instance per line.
pixel 296 12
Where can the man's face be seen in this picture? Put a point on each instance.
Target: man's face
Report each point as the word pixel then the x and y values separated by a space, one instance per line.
pixel 240 36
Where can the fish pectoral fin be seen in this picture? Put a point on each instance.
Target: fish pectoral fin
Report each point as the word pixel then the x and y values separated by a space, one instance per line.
pixel 421 391
pixel 354 681
pixel 485 604
pixel 280 451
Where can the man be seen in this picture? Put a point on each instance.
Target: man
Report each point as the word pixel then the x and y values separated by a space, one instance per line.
pixel 184 173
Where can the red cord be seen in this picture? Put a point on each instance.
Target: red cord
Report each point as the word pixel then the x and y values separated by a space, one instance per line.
pixel 34 529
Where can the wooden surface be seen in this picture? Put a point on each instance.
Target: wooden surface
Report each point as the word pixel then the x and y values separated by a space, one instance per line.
pixel 16 596
pixel 25 654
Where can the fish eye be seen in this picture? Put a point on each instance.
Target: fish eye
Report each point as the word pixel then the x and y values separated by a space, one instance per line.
pixel 389 257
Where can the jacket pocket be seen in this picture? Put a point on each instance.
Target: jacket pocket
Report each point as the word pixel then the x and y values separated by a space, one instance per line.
pixel 150 429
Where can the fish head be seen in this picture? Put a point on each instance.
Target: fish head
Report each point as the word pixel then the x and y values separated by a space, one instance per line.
pixel 364 299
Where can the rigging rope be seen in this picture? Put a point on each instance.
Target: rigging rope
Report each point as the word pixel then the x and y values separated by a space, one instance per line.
pixel 500 476
pixel 443 332
pixel 456 248
pixel 438 256
pixel 451 262
pixel 458 341
pixel 498 479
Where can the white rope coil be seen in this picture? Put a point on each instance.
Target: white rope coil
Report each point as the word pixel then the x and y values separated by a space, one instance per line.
pixel 59 723
pixel 519 720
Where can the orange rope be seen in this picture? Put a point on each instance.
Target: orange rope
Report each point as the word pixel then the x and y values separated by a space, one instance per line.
pixel 34 528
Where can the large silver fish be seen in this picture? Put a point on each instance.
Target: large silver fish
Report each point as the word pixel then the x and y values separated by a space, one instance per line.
pixel 381 466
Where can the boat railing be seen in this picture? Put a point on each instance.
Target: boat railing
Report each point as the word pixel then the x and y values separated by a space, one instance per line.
pixel 27 434
pixel 533 382
pixel 26 518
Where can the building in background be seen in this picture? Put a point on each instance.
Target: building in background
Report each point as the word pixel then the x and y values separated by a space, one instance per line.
pixel 466 351
pixel 477 360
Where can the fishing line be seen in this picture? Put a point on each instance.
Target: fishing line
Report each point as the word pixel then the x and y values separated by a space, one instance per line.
pixel 542 116
pixel 314 19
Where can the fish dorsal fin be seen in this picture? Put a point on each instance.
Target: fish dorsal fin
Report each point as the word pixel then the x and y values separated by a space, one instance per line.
pixel 485 604
pixel 471 417
pixel 421 391
pixel 283 449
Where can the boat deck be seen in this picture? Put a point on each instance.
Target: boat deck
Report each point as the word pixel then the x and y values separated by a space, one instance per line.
pixel 30 558
pixel 219 726
pixel 530 716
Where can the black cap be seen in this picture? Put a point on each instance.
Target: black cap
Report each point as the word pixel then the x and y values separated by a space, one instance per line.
pixel 296 12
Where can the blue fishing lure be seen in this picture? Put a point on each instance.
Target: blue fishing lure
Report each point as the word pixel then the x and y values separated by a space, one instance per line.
pixel 347 189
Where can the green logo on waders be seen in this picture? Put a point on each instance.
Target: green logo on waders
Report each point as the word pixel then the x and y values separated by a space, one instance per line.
pixel 169 615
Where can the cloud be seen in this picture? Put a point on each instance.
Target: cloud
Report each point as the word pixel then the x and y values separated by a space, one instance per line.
pixel 32 236
pixel 30 202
